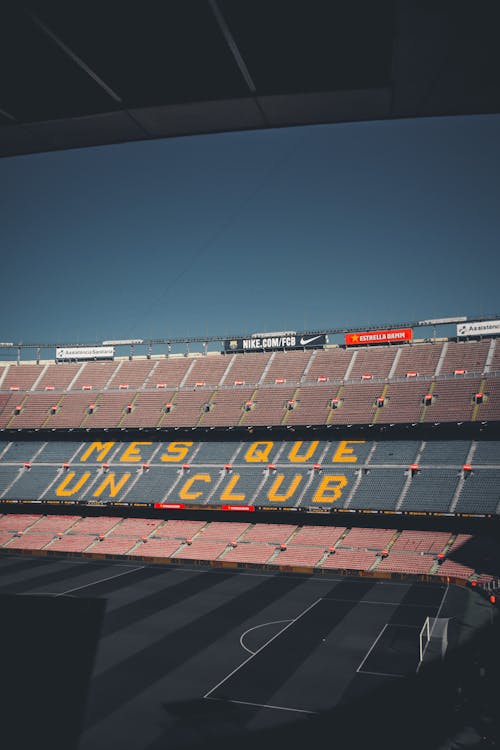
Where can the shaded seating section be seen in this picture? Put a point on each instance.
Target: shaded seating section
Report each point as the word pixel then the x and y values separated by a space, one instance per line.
pixel 452 400
pixel 379 489
pixel 480 492
pixel 376 361
pixel 94 374
pixel 419 358
pixel 465 355
pixel 399 452
pixel 431 490
pixel 445 453
pixel 219 452
pixel 24 450
pixel 239 486
pixel 32 483
pixel 487 452
pixel 247 368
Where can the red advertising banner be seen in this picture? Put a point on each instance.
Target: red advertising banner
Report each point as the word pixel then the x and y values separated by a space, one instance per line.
pixel 248 508
pixel 172 506
pixel 379 337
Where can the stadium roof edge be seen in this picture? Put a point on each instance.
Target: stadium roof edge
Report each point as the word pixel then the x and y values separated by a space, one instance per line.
pixel 206 339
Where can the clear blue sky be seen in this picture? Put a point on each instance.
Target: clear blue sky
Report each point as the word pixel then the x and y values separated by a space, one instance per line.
pixel 301 228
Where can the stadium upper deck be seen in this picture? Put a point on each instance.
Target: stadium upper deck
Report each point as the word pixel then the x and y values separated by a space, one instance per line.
pixel 423 382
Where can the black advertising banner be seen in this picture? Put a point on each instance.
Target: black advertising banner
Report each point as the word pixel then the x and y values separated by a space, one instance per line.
pixel 276 341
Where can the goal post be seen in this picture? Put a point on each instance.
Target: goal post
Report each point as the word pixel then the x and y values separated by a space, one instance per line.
pixel 433 639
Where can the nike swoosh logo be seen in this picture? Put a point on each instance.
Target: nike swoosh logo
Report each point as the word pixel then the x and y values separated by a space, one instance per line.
pixel 304 342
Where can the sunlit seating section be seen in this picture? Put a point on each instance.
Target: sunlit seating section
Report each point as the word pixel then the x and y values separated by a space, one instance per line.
pixel 374 360
pixel 269 406
pixel 113 545
pixel 246 369
pixel 276 533
pixel 148 408
pixel 227 407
pixel 55 524
pixel 357 404
pixel 457 569
pixel 30 540
pixel 131 373
pixel 429 542
pixel 452 400
pixel 72 543
pixel 187 408
pixel 258 553
pixel 159 548
pixel 58 377
pixel 329 363
pixel 18 521
pixel 421 359
pixel 465 355
pixel 347 559
pixel 200 549
pixel 21 377
pixel 72 409
pixel 311 405
pixel 170 373
pixel 410 562
pixel 224 531
pixel 178 529
pixel 109 410
pixel 299 555
pixel 135 528
pixel 287 366
pixel 367 539
pixel 489 409
pixel 207 370
pixel 35 410
pixel 403 402
pixel 95 525
pixel 323 536
pixel 94 374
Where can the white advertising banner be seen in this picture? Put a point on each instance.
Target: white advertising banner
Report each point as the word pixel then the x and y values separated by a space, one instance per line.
pixel 84 352
pixel 482 328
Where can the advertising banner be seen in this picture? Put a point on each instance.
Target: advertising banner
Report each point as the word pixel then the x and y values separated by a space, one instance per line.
pixel 483 328
pixel 69 353
pixel 273 342
pixel 379 337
